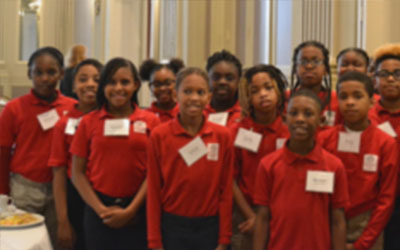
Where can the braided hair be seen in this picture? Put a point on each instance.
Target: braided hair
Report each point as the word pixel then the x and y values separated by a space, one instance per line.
pixel 225 56
pixel 327 80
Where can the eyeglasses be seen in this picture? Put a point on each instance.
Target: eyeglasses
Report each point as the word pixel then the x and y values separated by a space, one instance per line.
pixel 165 83
pixel 313 62
pixel 387 74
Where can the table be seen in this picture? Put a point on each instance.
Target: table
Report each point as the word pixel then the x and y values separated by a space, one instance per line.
pixel 30 238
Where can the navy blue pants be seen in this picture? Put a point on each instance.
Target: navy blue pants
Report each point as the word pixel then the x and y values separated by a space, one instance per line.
pixel 76 208
pixel 99 236
pixel 185 233
pixel 392 231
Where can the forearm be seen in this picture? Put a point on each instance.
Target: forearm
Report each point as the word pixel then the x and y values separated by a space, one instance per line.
pixel 5 158
pixel 241 201
pixel 138 200
pixel 338 230
pixel 60 193
pixel 261 231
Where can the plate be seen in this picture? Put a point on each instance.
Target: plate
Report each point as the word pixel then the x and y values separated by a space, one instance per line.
pixel 34 220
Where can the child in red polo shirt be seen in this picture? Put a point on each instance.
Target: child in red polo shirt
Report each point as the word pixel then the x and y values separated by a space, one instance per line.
pixel 371 160
pixel 256 135
pixel 26 128
pixel 311 70
pixel 69 205
pixel 190 170
pixel 109 158
pixel 301 189
pixel 386 113
pixel 224 70
pixel 162 79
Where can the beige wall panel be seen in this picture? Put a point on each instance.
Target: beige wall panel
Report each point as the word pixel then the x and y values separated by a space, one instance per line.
pixel 197 33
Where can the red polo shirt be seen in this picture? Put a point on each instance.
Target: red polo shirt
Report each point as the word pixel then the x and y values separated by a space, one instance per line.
pixel 368 190
pixel 246 162
pixel 378 114
pixel 164 115
pixel 20 127
pixel 234 113
pixel 116 164
pixel 203 189
pixel 299 219
pixel 61 142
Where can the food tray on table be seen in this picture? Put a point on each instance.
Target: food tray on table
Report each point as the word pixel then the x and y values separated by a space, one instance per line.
pixel 20 219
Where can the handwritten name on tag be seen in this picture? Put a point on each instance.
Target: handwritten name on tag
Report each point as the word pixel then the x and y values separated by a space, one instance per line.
pixel 219 118
pixel 139 127
pixel 247 139
pixel 116 127
pixel 193 151
pixel 72 124
pixel 213 151
pixel 349 142
pixel 48 120
pixel 370 163
pixel 320 181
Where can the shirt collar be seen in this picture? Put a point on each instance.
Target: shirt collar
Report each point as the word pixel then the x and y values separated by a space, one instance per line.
pixel 177 128
pixel 274 127
pixel 314 156
pixel 381 110
pixel 104 114
pixel 171 112
pixel 37 101
pixel 233 109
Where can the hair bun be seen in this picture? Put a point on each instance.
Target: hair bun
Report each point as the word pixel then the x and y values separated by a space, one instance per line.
pixel 176 64
pixel 147 68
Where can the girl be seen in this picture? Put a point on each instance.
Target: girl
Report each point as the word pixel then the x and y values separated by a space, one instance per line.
pixel 26 130
pixel 189 202
pixel 310 68
pixel 162 79
pixel 386 114
pixel 264 87
pixel 69 205
pixel 110 145
pixel 301 189
pixel 224 70
pixel 352 59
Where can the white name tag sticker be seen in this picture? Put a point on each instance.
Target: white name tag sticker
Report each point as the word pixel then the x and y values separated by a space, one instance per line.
pixel 387 128
pixel 330 117
pixel 247 139
pixel 72 124
pixel 219 118
pixel 193 151
pixel 280 142
pixel 370 163
pixel 48 119
pixel 349 142
pixel 213 151
pixel 320 181
pixel 139 127
pixel 116 127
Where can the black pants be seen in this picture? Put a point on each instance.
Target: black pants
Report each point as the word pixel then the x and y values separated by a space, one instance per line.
pixel 99 236
pixel 185 233
pixel 76 207
pixel 392 231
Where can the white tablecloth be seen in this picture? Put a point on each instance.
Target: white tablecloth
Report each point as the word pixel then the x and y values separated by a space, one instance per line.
pixel 31 238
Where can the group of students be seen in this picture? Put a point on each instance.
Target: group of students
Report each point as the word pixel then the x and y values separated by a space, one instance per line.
pixel 223 159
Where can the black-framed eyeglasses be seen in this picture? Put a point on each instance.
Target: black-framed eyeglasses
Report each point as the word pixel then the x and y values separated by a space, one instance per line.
pixel 386 74
pixel 166 83
pixel 313 62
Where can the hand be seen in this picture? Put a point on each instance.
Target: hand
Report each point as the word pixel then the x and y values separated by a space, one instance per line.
pixel 221 247
pixel 115 217
pixel 65 235
pixel 248 225
pixel 350 246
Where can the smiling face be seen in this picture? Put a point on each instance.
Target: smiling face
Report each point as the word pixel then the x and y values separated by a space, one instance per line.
pixel 388 86
pixel 193 95
pixel 45 74
pixel 263 93
pixel 303 118
pixel 310 68
pixel 224 77
pixel 86 83
pixel 354 102
pixel 352 61
pixel 162 84
pixel 120 89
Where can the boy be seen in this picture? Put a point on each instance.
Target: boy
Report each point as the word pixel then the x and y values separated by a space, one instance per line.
pixel 370 158
pixel 301 189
